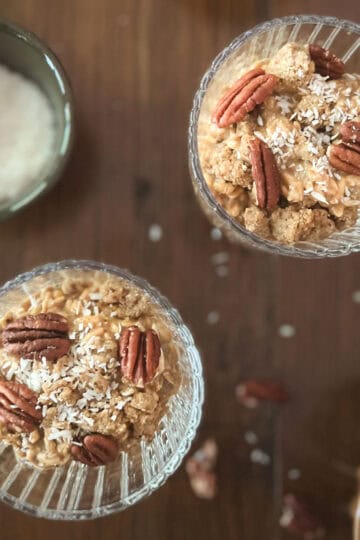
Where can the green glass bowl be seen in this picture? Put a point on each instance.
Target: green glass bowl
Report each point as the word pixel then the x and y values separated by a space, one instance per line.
pixel 23 52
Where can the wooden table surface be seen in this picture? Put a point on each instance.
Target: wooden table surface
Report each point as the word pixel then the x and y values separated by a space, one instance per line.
pixel 134 66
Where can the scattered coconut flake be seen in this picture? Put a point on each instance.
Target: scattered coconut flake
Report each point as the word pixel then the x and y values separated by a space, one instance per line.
pixel 285 104
pixel 319 197
pixel 121 404
pixel 222 271
pixel 33 301
pixel 294 474
pixel 220 258
pixel 155 232
pixel 286 331
pixel 213 317
pixel 260 121
pixel 215 234
pixel 56 434
pixel 95 296
pixel 250 437
pixel 76 443
pixel 260 136
pixel 259 456
pixel 123 20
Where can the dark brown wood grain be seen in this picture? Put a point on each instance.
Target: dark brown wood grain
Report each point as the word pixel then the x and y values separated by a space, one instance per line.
pixel 134 67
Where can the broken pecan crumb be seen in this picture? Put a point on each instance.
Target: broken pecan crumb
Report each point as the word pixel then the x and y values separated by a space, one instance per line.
pixel 200 469
pixel 326 63
pixel 350 132
pixel 297 518
pixel 251 391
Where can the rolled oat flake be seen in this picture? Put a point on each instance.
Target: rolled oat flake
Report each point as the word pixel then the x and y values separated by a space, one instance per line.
pixel 27 135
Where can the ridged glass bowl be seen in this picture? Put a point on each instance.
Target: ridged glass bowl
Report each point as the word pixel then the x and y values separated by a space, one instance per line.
pixel 343 37
pixel 79 492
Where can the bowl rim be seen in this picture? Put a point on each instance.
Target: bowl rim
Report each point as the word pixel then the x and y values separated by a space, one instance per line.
pixel 183 447
pixel 317 250
pixel 56 165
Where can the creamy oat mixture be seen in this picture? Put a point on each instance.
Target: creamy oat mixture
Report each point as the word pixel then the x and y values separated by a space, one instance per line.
pixel 299 122
pixel 85 391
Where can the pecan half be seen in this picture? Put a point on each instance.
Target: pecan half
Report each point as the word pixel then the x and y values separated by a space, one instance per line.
pixel 350 132
pixel 250 90
pixel 37 336
pixel 297 518
pixel 253 390
pixel 201 470
pixel 265 174
pixel 96 450
pixel 139 354
pixel 18 407
pixel 326 63
pixel 345 157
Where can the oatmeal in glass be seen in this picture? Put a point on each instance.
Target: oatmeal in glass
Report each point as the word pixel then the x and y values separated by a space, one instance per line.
pixel 280 150
pixel 87 367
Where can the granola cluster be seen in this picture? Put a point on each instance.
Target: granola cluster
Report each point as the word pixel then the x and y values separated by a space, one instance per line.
pixel 298 105
pixel 80 402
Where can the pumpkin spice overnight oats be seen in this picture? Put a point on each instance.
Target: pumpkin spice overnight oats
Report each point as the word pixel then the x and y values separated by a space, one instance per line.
pixel 87 367
pixel 281 151
pixel 277 140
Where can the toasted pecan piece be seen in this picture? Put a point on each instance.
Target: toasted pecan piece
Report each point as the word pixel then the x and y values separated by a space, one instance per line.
pixel 251 391
pixel 242 98
pixel 345 157
pixel 18 407
pixel 265 174
pixel 326 63
pixel 298 518
pixel 139 354
pixel 37 336
pixel 350 132
pixel 96 450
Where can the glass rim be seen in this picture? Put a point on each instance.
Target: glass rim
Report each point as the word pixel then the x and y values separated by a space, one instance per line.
pixel 252 239
pixel 193 355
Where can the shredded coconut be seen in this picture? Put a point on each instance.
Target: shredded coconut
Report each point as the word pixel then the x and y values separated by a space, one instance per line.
pixel 27 134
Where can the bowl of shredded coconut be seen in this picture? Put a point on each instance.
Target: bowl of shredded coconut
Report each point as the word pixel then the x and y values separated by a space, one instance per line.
pixel 36 110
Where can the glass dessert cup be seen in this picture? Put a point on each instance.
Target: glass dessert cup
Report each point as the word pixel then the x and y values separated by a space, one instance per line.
pixel 343 38
pixel 76 491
